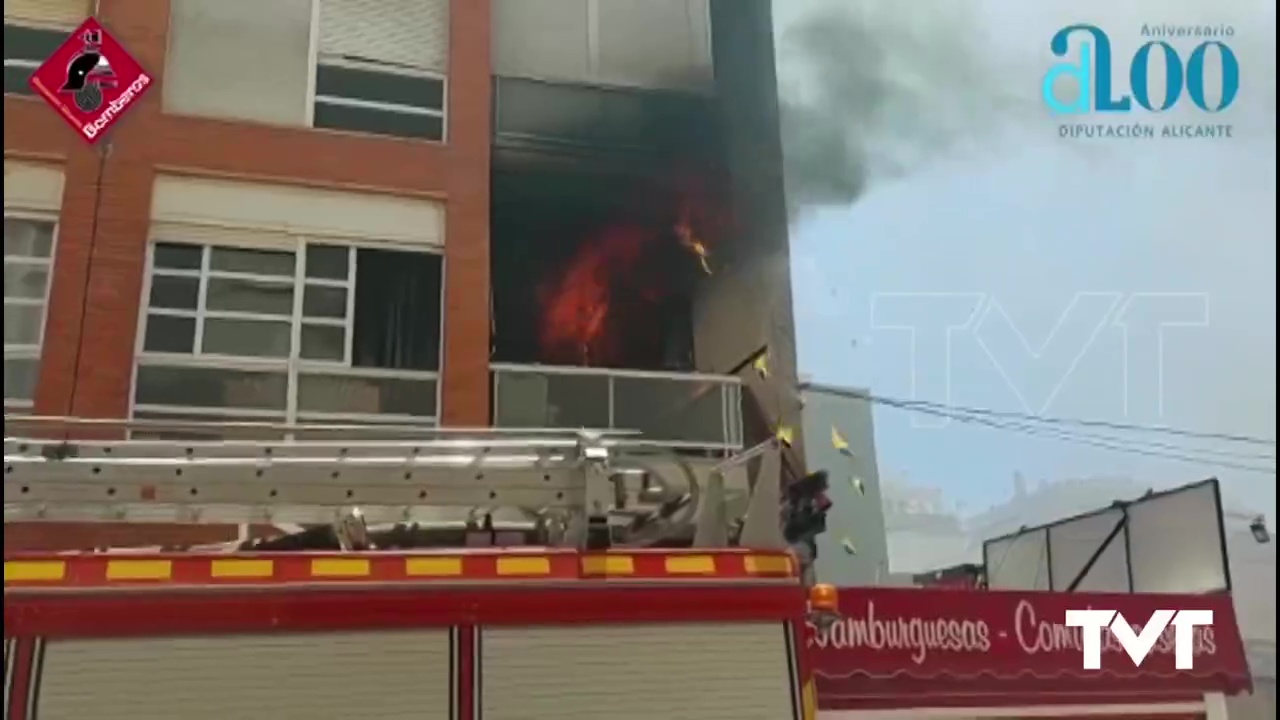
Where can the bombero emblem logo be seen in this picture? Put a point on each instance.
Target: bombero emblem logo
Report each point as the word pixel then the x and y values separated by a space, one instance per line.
pixel 90 80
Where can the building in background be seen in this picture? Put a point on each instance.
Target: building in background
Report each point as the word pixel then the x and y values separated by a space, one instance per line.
pixel 923 531
pixel 526 213
pixel 840 436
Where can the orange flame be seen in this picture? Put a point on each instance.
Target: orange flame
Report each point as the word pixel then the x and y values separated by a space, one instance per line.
pixel 576 306
pixel 689 239
pixel 618 270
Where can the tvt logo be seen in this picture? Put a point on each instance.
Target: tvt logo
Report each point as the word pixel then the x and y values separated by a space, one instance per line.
pixel 1093 74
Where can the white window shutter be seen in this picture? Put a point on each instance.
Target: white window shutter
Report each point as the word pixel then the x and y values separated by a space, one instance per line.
pixel 239 60
pixel 48 12
pixel 407 33
pixel 659 44
pixel 542 39
pixel 32 186
pixel 297 211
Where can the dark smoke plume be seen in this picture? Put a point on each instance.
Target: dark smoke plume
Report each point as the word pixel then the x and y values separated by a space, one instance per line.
pixel 869 94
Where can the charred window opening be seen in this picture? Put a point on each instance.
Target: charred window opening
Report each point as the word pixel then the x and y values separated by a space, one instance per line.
pixel 598 270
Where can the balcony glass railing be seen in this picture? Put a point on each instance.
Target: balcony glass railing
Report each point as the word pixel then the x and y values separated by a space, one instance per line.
pixel 679 409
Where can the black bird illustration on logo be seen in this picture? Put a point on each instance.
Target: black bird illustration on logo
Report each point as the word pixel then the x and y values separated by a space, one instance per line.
pixel 87 73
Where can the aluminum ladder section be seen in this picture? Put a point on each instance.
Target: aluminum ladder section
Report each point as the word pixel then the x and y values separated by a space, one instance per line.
pixel 574 474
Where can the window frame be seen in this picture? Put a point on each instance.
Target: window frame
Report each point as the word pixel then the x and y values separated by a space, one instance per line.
pixel 25 351
pixel 297 282
pixel 318 58
pixel 293 367
pixel 315 98
pixel 315 59
pixel 33 65
pixel 595 78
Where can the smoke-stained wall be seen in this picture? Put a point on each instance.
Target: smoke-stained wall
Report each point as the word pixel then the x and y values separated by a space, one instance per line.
pixel 853 550
pixel 746 304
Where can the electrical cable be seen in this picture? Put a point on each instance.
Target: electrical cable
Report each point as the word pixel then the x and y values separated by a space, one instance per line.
pixel 1127 427
pixel 1116 444
pixel 1146 444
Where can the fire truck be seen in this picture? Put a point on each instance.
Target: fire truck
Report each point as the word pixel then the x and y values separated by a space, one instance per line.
pixel 597 576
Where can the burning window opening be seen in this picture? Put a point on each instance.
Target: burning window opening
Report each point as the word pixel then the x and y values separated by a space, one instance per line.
pixel 599 271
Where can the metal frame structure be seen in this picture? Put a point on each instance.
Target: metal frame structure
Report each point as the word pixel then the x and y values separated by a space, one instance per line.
pixel 1119 533
pixel 585 487
pixel 729 387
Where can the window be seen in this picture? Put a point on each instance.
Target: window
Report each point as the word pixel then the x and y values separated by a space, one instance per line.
pixel 380 67
pixel 381 101
pixel 25 48
pixel 33 29
pixel 329 332
pixel 240 60
pixel 656 44
pixel 372 66
pixel 28 259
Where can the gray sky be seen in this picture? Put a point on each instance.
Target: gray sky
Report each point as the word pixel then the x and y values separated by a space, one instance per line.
pixel 970 191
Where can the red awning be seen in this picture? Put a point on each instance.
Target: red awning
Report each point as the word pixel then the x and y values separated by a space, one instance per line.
pixel 917 647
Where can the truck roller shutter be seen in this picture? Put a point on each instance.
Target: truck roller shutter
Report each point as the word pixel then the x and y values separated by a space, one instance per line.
pixel 731 671
pixel 400 675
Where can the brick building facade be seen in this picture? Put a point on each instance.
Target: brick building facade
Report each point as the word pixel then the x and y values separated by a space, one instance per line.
pixel 255 145
pixel 87 356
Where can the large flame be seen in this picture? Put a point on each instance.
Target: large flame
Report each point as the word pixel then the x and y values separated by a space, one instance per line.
pixel 624 265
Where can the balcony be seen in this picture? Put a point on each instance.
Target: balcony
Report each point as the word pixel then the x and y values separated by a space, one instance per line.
pixel 683 410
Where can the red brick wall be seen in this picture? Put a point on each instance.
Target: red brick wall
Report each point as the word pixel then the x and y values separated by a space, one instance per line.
pixel 97 332
pixel 92 339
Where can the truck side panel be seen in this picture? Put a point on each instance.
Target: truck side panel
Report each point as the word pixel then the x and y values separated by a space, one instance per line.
pixel 280 675
pixel 708 671
pixel 151 650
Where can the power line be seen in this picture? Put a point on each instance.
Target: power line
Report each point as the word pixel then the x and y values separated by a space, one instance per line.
pixel 1148 444
pixel 1079 422
pixel 1051 420
pixel 1117 445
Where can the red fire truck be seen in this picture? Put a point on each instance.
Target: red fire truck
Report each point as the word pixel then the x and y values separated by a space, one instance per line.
pixel 591 618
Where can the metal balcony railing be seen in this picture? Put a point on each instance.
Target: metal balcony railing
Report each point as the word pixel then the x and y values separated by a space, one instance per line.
pixel 686 410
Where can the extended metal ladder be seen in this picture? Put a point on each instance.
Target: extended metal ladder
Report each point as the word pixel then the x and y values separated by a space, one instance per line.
pixel 580 478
